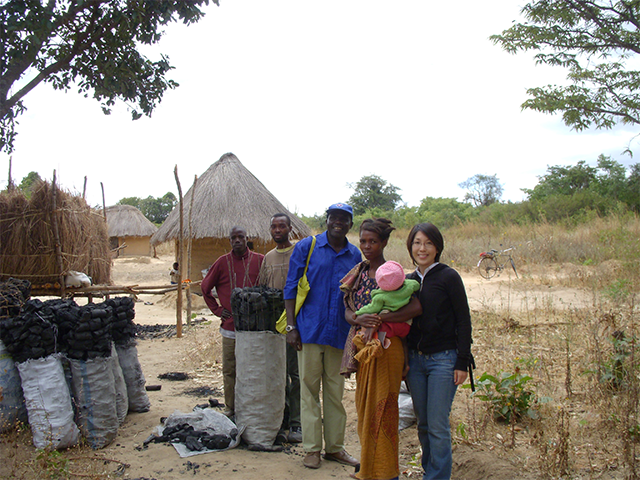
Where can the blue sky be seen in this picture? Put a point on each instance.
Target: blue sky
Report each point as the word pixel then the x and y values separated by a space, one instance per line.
pixel 311 96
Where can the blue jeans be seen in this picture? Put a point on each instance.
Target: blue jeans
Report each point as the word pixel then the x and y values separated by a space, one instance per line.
pixel 430 382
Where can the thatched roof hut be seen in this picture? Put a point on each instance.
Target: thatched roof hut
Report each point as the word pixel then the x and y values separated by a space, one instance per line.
pixel 129 231
pixel 226 195
pixel 49 234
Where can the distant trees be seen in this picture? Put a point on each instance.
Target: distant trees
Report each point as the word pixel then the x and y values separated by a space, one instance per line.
pixel 373 192
pixel 482 190
pixel 29 183
pixel 155 209
pixel 577 187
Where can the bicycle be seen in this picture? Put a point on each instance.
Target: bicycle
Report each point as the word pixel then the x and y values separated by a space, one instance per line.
pixel 491 263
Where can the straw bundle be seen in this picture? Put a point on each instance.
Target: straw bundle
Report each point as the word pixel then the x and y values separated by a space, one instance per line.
pixel 28 238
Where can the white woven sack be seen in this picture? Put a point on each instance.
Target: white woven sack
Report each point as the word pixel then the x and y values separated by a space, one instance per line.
pixel 122 399
pixel 95 395
pixel 48 401
pixel 134 378
pixel 260 385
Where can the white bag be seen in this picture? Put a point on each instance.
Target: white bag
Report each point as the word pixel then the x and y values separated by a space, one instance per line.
pixel 95 394
pixel 134 378
pixel 122 399
pixel 261 370
pixel 48 403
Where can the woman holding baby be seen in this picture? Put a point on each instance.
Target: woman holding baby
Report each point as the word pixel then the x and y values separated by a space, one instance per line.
pixel 379 370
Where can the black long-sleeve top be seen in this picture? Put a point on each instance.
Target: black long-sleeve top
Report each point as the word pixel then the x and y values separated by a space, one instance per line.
pixel 445 323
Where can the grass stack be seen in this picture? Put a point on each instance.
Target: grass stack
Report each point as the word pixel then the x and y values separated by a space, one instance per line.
pixel 28 237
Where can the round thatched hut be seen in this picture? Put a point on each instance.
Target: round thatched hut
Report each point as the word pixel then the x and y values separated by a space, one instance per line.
pixel 226 195
pixel 129 231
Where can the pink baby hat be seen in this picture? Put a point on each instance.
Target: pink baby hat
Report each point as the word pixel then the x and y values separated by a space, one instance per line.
pixel 390 276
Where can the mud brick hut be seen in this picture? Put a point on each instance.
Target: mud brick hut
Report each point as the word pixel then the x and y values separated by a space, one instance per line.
pixel 226 195
pixel 44 237
pixel 129 231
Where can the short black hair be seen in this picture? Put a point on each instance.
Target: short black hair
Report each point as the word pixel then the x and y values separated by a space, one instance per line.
pixel 432 233
pixel 277 215
pixel 380 226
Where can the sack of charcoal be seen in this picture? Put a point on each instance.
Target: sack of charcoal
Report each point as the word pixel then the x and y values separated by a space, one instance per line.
pixel 94 392
pixel 30 335
pixel 123 329
pixel 48 402
pixel 91 337
pixel 256 309
pixel 12 407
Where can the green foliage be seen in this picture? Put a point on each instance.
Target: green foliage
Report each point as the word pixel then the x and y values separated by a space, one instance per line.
pixel 508 395
pixel 373 192
pixel 52 464
pixel 444 212
pixel 617 369
pixel 29 183
pixel 155 209
pixel 594 40
pixel 91 46
pixel 482 190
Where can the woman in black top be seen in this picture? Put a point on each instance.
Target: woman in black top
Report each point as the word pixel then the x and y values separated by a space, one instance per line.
pixel 439 347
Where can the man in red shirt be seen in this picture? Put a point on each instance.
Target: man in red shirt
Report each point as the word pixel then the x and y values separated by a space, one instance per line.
pixel 237 269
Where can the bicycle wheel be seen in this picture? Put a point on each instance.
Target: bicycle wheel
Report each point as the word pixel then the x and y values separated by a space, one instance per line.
pixel 514 267
pixel 487 267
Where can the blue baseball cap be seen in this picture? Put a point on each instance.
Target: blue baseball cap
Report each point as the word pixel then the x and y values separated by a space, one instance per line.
pixel 341 206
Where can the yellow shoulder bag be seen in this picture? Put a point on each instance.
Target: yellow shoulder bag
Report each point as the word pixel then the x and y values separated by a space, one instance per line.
pixel 303 290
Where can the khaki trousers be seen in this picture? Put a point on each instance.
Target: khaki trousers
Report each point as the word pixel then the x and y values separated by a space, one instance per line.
pixel 320 364
pixel 229 372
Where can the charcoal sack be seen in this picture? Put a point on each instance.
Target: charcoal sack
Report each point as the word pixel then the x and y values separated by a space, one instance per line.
pixel 48 402
pixel 260 385
pixel 256 309
pixel 122 398
pixel 12 407
pixel 94 392
pixel 133 377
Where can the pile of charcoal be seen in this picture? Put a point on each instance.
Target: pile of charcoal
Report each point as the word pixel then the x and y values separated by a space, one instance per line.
pixel 123 330
pixel 36 329
pixel 65 315
pixel 195 440
pixel 92 336
pixel 256 309
pixel 32 334
pixel 13 294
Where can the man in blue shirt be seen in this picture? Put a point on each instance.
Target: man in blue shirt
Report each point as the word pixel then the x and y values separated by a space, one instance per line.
pixel 319 332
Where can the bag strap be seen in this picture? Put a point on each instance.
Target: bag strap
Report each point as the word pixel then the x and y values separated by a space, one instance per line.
pixel 313 244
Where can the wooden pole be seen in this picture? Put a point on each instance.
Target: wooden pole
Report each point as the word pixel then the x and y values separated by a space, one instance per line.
pixel 10 184
pixel 189 242
pixel 84 188
pixel 104 206
pixel 56 234
pixel 181 265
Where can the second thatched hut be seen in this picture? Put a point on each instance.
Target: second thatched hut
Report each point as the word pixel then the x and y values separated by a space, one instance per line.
pixel 130 231
pixel 226 195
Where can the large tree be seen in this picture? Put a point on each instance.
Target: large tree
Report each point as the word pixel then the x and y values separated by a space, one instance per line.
pixel 482 190
pixel 372 192
pixel 91 45
pixel 598 42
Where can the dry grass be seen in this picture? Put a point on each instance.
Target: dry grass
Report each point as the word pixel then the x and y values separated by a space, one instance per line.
pixel 28 240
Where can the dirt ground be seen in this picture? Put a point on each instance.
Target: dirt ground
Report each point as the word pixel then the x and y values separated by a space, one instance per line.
pixel 198 354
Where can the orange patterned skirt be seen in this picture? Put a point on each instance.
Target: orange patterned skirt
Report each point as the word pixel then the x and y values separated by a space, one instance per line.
pixel 377 388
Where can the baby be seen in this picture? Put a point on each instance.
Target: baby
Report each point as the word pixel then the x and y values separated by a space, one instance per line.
pixel 394 293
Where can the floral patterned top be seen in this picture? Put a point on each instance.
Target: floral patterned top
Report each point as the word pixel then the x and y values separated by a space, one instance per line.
pixel 362 294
